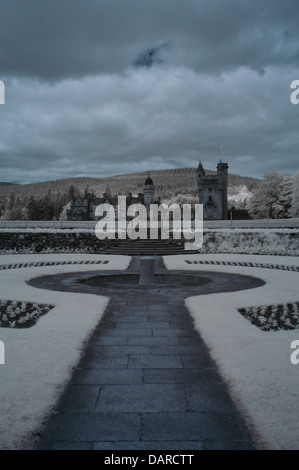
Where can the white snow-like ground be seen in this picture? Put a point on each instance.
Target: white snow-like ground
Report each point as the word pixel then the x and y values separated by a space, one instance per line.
pixel 255 364
pixel 39 360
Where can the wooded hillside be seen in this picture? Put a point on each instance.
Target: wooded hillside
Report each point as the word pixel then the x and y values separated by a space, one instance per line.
pixel 46 200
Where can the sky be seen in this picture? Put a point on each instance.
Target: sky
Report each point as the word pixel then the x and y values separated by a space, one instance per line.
pixel 108 87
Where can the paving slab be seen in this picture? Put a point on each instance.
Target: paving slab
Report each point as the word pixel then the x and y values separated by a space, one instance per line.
pixel 142 398
pixel 146 380
pixel 185 376
pixel 107 376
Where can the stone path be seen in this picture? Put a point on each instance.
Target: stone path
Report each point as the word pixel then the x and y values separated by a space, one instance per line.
pixel 145 381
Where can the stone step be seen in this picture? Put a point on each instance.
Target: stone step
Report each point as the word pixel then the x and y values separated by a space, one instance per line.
pixel 145 247
pixel 142 252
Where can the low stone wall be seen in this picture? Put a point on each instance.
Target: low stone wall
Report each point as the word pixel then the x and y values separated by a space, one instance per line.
pixel 230 241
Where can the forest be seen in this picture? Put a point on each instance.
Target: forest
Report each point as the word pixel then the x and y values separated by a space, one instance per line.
pixel 275 196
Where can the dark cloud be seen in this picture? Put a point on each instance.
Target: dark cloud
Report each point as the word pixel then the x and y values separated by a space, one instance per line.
pixel 150 56
pixel 114 86
pixel 54 39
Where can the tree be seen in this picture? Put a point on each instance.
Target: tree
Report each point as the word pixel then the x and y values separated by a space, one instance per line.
pixel 2 208
pixel 294 211
pixel 17 211
pixel 12 200
pixel 282 207
pixel 58 203
pixel 32 208
pixel 272 197
pixel 14 208
pixel 73 192
pixel 46 207
pixel 86 192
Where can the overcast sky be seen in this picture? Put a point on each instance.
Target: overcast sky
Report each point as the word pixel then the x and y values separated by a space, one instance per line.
pixel 107 87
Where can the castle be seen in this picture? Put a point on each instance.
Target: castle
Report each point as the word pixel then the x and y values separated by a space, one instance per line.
pixel 83 208
pixel 212 193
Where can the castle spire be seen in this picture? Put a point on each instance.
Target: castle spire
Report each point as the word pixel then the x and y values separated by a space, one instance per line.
pixel 221 148
pixel 200 168
pixel 148 180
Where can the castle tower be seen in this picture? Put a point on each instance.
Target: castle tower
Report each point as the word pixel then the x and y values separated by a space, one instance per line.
pixel 200 178
pixel 222 171
pixel 149 192
pixel 212 192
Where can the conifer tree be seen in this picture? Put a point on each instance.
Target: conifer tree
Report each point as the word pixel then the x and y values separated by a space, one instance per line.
pixel 294 211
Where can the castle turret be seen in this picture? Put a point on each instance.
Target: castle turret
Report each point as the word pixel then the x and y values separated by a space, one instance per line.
pixel 200 177
pixel 200 170
pixel 149 192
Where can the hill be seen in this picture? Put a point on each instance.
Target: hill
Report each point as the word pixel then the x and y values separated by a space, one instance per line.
pixel 167 183
pixel 14 199
pixel 2 183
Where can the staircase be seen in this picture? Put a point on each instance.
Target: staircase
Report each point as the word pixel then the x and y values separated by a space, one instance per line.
pixel 145 247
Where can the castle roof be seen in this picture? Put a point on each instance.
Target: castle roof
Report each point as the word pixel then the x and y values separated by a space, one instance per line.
pixel 200 167
pixel 149 181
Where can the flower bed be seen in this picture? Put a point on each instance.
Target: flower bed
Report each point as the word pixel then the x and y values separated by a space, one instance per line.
pixel 17 314
pixel 273 317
